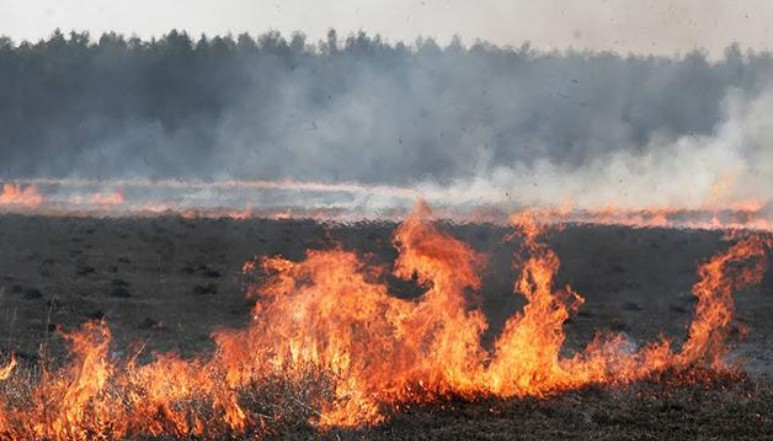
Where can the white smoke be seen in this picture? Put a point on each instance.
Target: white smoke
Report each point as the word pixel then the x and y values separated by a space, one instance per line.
pixel 731 165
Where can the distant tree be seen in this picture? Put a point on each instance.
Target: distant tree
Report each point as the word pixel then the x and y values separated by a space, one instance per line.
pixel 70 103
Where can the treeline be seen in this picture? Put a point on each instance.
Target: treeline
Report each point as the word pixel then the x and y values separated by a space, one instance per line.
pixel 354 108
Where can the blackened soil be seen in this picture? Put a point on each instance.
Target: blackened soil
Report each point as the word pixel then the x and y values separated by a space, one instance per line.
pixel 169 282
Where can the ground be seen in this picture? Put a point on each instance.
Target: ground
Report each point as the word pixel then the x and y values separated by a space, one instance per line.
pixel 168 282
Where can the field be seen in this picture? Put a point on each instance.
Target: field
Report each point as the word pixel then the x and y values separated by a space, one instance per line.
pixel 169 282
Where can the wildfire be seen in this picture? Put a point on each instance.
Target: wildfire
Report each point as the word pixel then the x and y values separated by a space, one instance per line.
pixel 20 196
pixel 326 331
pixel 742 215
pixel 112 198
pixel 285 199
pixel 238 215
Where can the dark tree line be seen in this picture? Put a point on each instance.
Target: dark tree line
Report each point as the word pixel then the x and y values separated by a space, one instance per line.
pixel 355 108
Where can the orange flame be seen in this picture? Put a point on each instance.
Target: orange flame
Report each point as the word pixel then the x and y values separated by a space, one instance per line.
pixel 7 370
pixel 19 196
pixel 720 277
pixel 331 314
pixel 113 198
pixel 748 214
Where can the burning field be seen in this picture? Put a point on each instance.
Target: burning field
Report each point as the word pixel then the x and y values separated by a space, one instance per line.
pixel 397 232
pixel 168 328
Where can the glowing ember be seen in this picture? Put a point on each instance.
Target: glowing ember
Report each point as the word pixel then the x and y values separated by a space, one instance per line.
pixel 326 332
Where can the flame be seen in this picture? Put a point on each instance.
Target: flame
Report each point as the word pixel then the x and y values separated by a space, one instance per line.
pixel 7 370
pixel 351 201
pixel 749 214
pixel 112 198
pixel 714 291
pixel 330 343
pixel 20 196
pixel 238 215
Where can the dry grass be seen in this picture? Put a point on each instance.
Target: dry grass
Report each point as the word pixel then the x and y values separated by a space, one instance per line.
pixel 698 404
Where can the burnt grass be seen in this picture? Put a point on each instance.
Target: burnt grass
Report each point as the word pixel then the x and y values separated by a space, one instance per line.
pixel 727 408
pixel 169 282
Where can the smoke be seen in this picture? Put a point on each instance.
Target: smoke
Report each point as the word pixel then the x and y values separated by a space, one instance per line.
pixel 730 165
pixel 460 126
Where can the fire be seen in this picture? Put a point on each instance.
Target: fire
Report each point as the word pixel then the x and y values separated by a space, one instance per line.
pixel 107 199
pixel 7 370
pixel 20 196
pixel 216 213
pixel 355 202
pixel 330 343
pixel 714 292
pixel 750 214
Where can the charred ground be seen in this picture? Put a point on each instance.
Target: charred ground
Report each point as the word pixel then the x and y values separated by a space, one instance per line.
pixel 169 282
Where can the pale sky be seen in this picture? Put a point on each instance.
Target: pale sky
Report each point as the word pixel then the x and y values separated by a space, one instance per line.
pixel 640 26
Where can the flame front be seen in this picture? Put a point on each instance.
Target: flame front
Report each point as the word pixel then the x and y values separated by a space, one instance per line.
pixel 329 342
pixel 26 197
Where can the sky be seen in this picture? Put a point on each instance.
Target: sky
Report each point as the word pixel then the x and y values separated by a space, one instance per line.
pixel 664 27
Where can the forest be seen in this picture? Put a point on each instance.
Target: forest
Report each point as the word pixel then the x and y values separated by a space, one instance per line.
pixel 344 108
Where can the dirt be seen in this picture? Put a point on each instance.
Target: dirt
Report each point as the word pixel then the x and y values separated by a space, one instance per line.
pixel 168 282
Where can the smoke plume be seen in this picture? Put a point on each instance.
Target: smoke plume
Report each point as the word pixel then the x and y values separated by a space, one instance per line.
pixel 460 125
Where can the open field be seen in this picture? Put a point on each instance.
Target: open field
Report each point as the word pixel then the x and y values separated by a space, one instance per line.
pixel 169 283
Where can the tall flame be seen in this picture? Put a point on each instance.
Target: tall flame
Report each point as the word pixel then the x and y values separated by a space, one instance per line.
pixel 327 333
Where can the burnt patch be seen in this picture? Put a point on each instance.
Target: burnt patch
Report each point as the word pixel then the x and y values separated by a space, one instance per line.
pixel 120 292
pixel 205 290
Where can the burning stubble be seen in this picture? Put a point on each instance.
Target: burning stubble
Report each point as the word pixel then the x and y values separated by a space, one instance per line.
pixel 348 202
pixel 359 130
pixel 328 342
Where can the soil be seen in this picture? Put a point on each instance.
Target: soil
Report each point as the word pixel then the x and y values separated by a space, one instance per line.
pixel 168 282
